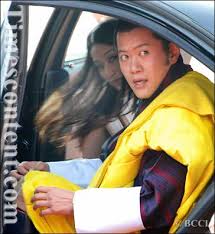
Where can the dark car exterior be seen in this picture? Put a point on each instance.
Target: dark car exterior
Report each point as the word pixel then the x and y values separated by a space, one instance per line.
pixel 190 24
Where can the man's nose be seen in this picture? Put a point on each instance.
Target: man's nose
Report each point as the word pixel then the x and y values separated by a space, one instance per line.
pixel 135 65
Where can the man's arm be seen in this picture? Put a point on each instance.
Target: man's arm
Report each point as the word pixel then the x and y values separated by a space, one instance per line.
pixel 152 204
pixel 104 210
pixel 107 210
pixel 162 181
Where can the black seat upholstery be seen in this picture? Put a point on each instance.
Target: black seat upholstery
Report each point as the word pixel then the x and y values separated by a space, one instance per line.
pixel 54 79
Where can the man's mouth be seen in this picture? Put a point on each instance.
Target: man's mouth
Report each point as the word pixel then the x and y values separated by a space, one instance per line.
pixel 139 83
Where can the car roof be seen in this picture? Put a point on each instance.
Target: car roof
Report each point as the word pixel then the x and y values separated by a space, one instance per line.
pixel 200 12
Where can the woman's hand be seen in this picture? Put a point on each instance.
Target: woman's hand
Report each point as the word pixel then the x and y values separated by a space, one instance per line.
pixel 54 200
pixel 24 167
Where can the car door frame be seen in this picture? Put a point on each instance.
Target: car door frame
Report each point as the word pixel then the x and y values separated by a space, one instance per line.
pixel 46 57
pixel 154 17
pixel 15 77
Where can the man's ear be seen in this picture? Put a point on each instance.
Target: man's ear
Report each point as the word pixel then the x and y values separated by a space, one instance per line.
pixel 174 53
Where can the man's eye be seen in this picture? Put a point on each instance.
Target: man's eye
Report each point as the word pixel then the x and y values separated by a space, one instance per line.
pixel 123 57
pixel 144 52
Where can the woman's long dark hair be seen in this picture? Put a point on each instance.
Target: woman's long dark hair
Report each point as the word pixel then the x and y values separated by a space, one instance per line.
pixel 86 102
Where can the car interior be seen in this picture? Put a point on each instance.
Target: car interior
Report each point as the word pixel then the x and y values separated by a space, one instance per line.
pixel 56 52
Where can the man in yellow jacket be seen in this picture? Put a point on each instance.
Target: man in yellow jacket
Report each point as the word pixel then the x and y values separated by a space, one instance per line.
pixel 161 162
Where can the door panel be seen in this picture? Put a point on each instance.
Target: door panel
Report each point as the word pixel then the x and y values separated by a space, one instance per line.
pixel 13 71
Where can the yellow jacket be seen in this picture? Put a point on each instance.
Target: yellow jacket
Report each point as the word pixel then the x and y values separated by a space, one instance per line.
pixel 179 121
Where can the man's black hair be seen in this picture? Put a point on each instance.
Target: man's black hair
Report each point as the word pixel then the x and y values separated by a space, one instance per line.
pixel 124 26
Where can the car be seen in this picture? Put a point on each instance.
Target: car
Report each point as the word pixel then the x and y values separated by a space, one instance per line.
pixel 40 40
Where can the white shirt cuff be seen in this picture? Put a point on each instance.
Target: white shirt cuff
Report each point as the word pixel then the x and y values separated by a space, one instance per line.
pixel 107 210
pixel 212 225
pixel 78 171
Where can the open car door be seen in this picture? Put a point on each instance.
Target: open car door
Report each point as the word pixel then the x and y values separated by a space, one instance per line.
pixel 14 29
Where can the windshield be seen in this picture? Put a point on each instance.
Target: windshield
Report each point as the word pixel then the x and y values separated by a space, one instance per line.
pixel 6 41
pixel 4 9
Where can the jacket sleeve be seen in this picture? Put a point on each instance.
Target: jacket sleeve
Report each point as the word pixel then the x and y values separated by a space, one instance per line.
pixel 107 210
pixel 162 182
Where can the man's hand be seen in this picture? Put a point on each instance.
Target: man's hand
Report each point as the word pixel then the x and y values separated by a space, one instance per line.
pixel 24 167
pixel 54 201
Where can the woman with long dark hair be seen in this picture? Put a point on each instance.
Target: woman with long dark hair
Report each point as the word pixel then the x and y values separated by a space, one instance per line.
pixel 80 110
pixel 95 96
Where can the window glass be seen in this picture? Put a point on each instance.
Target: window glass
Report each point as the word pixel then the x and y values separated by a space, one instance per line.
pixel 4 9
pixel 74 59
pixel 197 65
pixel 86 98
pixel 201 68
pixel 6 48
pixel 78 44
pixel 36 27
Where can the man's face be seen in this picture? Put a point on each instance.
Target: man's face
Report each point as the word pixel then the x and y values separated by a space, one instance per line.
pixel 143 61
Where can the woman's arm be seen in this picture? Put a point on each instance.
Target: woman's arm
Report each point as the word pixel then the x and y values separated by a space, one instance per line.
pixel 92 143
pixel 87 147
pixel 78 171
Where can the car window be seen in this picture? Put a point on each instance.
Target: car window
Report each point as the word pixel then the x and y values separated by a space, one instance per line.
pixel 201 68
pixel 28 145
pixel 36 27
pixel 6 42
pixel 197 65
pixel 74 59
pixel 77 47
pixel 6 47
pixel 75 54
pixel 4 9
